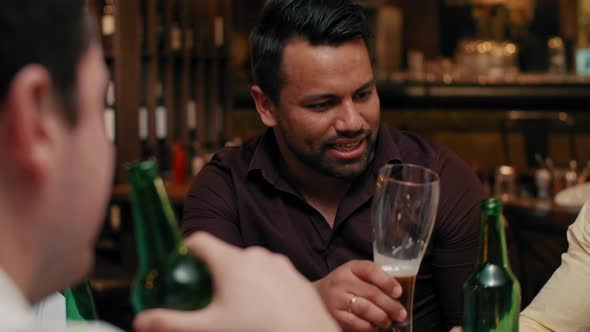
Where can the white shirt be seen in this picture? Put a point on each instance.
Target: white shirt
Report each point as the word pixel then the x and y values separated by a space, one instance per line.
pixel 563 304
pixel 16 315
pixel 51 310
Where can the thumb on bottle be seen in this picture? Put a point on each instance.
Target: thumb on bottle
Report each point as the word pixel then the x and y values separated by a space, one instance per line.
pixel 213 251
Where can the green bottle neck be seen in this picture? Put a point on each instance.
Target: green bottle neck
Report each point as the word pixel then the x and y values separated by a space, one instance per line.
pixel 156 228
pixel 80 303
pixel 492 242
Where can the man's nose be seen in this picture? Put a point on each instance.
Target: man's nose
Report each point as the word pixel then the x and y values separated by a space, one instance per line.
pixel 349 118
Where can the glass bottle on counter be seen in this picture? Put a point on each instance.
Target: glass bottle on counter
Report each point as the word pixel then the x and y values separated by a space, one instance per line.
pixel 168 276
pixel 163 153
pixel 175 29
pixel 179 163
pixel 491 292
pixel 557 61
pixel 196 159
pixel 142 26
pixel 110 113
pixel 108 25
pixel 146 151
pixel 143 122
pixel 160 26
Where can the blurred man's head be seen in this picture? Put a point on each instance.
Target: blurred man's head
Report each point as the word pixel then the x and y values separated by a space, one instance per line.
pixel 55 160
pixel 315 85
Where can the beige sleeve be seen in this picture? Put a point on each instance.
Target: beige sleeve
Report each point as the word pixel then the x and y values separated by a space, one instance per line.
pixel 563 304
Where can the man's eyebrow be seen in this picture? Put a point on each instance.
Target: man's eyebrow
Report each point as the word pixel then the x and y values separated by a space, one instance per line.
pixel 310 98
pixel 368 84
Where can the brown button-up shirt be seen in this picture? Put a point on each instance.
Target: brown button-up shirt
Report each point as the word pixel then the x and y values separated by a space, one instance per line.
pixel 242 197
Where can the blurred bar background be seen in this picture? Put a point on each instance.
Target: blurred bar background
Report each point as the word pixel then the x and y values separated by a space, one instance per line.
pixel 503 83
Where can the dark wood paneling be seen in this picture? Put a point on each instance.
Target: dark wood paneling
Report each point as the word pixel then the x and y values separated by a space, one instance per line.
pixel 127 75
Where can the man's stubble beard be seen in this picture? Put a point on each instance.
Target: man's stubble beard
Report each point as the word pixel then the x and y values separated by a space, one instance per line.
pixel 323 165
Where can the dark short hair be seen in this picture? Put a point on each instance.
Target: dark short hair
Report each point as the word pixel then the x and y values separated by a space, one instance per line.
pixel 321 22
pixel 51 33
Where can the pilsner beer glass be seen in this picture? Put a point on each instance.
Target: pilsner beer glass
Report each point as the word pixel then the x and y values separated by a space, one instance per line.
pixel 404 210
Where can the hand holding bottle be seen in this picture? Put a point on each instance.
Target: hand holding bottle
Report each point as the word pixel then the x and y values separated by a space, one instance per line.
pixel 255 290
pixel 168 276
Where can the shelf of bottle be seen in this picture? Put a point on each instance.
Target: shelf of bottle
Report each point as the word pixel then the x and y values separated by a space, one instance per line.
pixel 563 96
pixel 542 208
pixel 162 57
pixel 166 55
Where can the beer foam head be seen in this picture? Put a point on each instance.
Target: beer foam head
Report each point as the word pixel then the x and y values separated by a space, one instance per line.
pixel 397 267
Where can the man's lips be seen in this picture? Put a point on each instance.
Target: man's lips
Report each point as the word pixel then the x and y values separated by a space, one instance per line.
pixel 347 146
pixel 348 149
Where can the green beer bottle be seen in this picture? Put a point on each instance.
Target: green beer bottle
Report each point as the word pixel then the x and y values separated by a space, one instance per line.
pixel 168 276
pixel 80 303
pixel 491 292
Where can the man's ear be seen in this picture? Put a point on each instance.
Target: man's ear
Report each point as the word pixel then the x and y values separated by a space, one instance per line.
pixel 25 128
pixel 264 106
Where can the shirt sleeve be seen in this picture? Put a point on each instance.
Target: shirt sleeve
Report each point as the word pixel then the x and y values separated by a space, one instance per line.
pixel 563 303
pixel 210 205
pixel 456 235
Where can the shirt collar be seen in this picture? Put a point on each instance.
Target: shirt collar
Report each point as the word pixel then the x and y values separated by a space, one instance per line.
pixel 12 299
pixel 266 158
pixel 387 150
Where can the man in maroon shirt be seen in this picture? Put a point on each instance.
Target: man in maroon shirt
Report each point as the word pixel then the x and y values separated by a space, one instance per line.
pixel 304 187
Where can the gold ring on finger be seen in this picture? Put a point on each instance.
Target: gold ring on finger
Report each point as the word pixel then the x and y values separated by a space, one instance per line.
pixel 351 302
